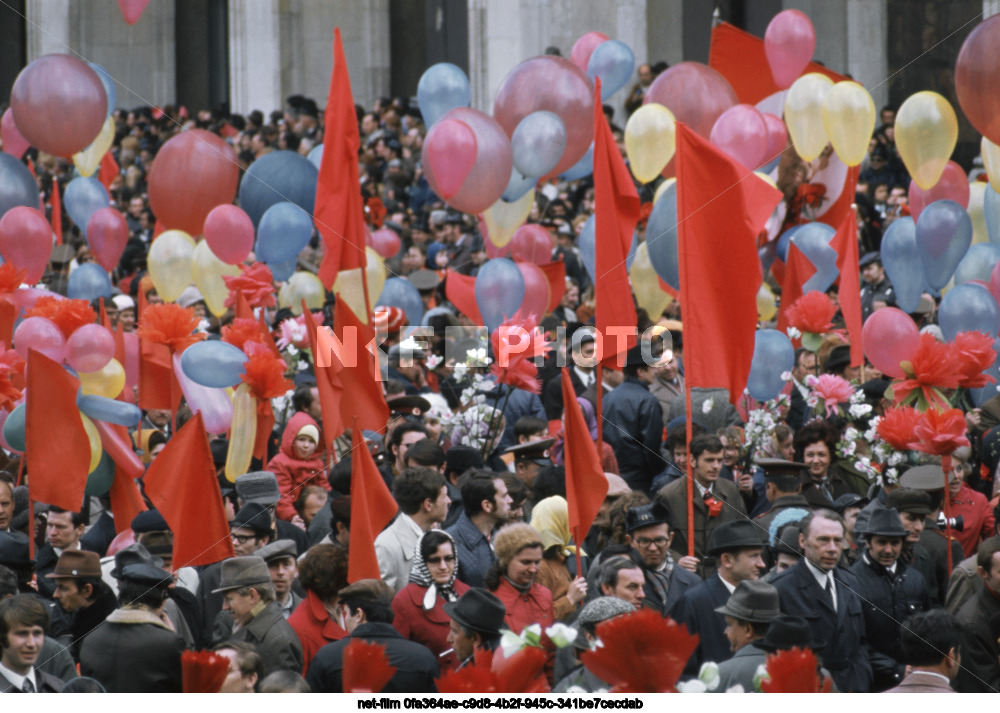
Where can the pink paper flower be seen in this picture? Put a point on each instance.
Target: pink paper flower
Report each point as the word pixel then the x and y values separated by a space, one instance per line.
pixel 832 390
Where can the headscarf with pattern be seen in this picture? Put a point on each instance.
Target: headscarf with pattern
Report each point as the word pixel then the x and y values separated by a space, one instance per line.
pixel 421 575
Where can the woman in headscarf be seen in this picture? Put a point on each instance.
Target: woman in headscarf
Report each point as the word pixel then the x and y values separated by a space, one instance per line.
pixel 419 606
pixel 550 518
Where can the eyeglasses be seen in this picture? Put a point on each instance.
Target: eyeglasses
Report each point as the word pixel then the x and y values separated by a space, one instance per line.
pixel 648 542
pixel 447 559
pixel 242 539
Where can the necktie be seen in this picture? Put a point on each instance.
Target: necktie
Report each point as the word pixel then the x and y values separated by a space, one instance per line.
pixel 28 686
pixel 830 592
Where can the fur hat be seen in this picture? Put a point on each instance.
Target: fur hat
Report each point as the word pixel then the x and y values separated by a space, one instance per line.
pixel 513 538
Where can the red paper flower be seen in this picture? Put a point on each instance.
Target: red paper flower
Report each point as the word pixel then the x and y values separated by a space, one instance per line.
pixel 794 671
pixel 265 373
pixel 242 331
pixel 812 313
pixel 897 425
pixel 521 673
pixel 203 671
pixel 68 315
pixel 170 324
pixel 939 432
pixel 10 278
pixel 833 390
pixel 974 353
pixel 933 367
pixel 642 653
pixel 366 667
pixel 256 283
pixel 9 393
pixel 375 211
pixel 516 343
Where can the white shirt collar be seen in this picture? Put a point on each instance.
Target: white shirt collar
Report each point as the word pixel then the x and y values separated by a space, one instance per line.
pixel 892 570
pixel 412 523
pixel 586 377
pixel 730 587
pixel 17 680
pixel 702 489
pixel 822 578
pixel 944 678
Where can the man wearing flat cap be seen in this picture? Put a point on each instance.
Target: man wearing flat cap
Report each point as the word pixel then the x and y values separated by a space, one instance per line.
pixel 783 489
pixel 877 290
pixel 649 533
pixel 602 609
pixel 748 612
pixel 249 595
pixel 281 563
pixel 476 620
pixel 891 592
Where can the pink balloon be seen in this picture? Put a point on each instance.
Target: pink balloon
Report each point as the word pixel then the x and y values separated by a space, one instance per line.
pixel 131 359
pixel 536 290
pixel 132 9
pixel 789 43
pixel 449 156
pixel 386 242
pixel 90 348
pixel 487 180
pixel 695 93
pixel 532 243
pixel 41 334
pixel 13 142
pixel 26 241
pixel 742 133
pixel 550 84
pixel 584 47
pixel 59 104
pixel 107 235
pixel 953 185
pixel 229 233
pixel 777 136
pixel 890 336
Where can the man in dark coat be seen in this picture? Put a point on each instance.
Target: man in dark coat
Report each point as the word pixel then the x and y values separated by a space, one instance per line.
pixel 368 608
pixel 891 592
pixel 980 672
pixel 81 594
pixel 649 534
pixel 486 503
pixel 23 620
pixel 833 609
pixel 930 643
pixel 783 489
pixel 748 614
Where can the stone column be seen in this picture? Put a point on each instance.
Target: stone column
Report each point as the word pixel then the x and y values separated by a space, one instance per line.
pixel 48 27
pixel 867 43
pixel 254 56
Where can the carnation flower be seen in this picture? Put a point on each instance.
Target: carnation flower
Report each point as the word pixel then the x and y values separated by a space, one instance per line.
pixel 932 368
pixel 974 353
pixel 812 313
pixel 833 390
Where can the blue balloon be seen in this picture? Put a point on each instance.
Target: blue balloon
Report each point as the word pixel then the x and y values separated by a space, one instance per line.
pixel 499 291
pixel 109 86
pixel 17 185
pixel 108 410
pixel 518 185
pixel 13 428
pixel 400 292
pixel 281 271
pixel 978 263
pixel 582 168
pixel 538 143
pixel 968 308
pixel 784 239
pixel 613 62
pixel 661 237
pixel 585 244
pixel 275 177
pixel 985 393
pixel 773 355
pixel 88 282
pixel 944 234
pixel 991 211
pixel 100 478
pixel 83 197
pixel 902 263
pixel 813 239
pixel 442 87
pixel 213 363
pixel 283 232
pixel 630 258
pixel 316 156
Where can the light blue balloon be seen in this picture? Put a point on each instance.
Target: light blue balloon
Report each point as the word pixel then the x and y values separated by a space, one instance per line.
pixel 773 355
pixel 283 232
pixel 582 168
pixel 400 292
pixel 902 263
pixel 17 185
pixel 613 62
pixel 281 271
pixel 88 282
pixel 991 210
pixel 83 197
pixel 518 185
pixel 13 428
pixel 813 239
pixel 316 156
pixel 978 263
pixel 630 258
pixel 214 363
pixel 661 237
pixel 441 88
pixel 109 86
pixel 499 291
pixel 968 308
pixel 585 244
pixel 538 143
pixel 985 393
pixel 944 234
pixel 108 410
pixel 275 177
pixel 784 239
pixel 99 480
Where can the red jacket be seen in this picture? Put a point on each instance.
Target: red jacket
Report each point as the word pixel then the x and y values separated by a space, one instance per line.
pixel 978 515
pixel 535 607
pixel 294 474
pixel 314 627
pixel 429 628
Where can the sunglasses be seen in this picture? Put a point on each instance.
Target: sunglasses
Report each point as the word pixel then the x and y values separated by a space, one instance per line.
pixel 447 559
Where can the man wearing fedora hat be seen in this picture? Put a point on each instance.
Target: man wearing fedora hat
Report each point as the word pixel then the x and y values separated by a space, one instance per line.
pixel 476 620
pixel 82 593
pixel 649 533
pixel 891 592
pixel 748 612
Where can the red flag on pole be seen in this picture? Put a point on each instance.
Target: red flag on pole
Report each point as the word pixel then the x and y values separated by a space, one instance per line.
pixel 586 484
pixel 327 383
pixel 339 213
pixel 126 500
pixel 798 271
pixel 56 202
pixel 845 242
pixel 182 484
pixel 108 171
pixel 360 379
pixel 372 508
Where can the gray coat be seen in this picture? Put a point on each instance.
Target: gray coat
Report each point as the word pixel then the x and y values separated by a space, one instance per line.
pixel 275 640
pixel 741 669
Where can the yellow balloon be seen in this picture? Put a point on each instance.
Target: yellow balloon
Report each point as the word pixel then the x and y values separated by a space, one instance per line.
pixel 646 285
pixel 650 141
pixel 767 179
pixel 977 194
pixel 302 285
pixel 926 133
pixel 208 271
pixel 503 219
pixel 348 284
pixel 991 161
pixel 242 433
pixel 89 160
pixel 849 119
pixel 804 114
pixel 662 188
pixel 94 438
pixel 169 263
pixel 766 307
pixel 108 381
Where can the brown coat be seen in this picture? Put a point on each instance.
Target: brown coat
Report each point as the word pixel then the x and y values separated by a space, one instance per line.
pixel 920 682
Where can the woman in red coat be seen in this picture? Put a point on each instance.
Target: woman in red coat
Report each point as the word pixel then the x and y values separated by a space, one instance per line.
pixel 297 465
pixel 512 578
pixel 419 606
pixel 316 621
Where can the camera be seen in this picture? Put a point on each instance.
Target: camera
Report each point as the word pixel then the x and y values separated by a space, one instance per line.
pixel 956 523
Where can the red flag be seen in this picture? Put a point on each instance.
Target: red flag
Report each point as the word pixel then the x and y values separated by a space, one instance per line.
pixel 360 379
pixel 181 483
pixel 372 508
pixel 57 447
pixel 156 377
pixel 339 214
pixel 586 485
pixel 845 242
pixel 798 271
pixel 327 383
pixel 56 211
pixel 108 171
pixel 126 500
pixel 461 292
pixel 721 207
pixel 616 209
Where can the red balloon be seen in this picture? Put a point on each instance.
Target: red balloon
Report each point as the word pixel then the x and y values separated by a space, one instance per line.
pixel 107 235
pixel 386 242
pixel 193 173
pixel 584 47
pixel 994 285
pixel 132 11
pixel 890 336
pixel 449 155
pixel 550 84
pixel 953 185
pixel 488 178
pixel 26 241
pixel 977 76
pixel 695 93
pixel 229 233
pixel 13 142
pixel 531 243
pixel 777 136
pixel 536 290
pixel 789 43
pixel 742 133
pixel 59 104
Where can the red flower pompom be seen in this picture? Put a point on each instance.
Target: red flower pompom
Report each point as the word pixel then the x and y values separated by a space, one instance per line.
pixel 203 671
pixel 794 671
pixel 265 373
pixel 68 315
pixel 939 433
pixel 521 673
pixel 241 331
pixel 812 313
pixel 932 367
pixel 255 283
pixel 366 667
pixel 10 277
pixel 170 324
pixel 974 353
pixel 516 343
pixel 897 425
